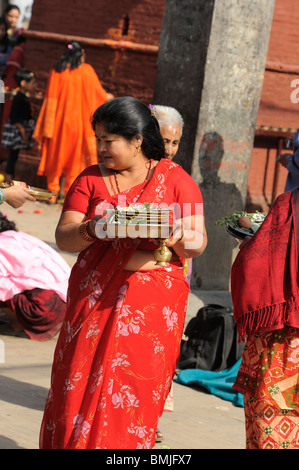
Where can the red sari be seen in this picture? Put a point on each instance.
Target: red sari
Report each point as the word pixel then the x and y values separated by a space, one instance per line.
pixel 118 348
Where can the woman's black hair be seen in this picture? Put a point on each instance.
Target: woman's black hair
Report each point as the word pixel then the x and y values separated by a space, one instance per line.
pixel 71 57
pixel 127 116
pixel 4 41
pixel 6 224
pixel 11 7
pixel 24 74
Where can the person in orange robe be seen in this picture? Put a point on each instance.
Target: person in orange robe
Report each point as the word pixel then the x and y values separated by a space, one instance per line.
pixel 63 129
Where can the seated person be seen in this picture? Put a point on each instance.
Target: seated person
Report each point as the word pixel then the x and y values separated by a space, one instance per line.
pixel 34 280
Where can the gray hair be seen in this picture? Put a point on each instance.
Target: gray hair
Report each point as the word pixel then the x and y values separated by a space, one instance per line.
pixel 167 115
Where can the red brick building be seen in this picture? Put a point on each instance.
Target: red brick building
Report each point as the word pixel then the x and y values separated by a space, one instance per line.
pixel 278 116
pixel 121 39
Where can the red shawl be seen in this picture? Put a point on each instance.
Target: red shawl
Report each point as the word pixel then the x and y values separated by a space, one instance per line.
pixel 264 276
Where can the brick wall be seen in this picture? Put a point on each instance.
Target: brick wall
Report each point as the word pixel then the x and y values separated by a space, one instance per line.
pixel 100 18
pixel 277 113
pixel 121 71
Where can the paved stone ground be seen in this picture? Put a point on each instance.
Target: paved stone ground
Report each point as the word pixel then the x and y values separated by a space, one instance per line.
pixel 199 421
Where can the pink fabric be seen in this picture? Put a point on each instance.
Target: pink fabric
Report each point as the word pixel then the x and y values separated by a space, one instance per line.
pixel 28 263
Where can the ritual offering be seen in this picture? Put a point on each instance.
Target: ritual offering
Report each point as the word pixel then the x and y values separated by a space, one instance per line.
pixel 142 221
pixel 241 224
pixel 37 193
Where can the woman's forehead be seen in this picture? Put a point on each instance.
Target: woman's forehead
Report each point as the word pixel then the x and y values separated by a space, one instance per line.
pixel 102 132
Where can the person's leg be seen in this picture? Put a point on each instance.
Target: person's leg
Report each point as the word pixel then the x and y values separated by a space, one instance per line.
pixel 53 183
pixel 11 162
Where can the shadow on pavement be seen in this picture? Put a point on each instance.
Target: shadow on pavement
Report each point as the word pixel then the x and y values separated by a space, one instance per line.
pixel 22 393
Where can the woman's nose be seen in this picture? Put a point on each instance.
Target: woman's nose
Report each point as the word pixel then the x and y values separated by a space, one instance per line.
pixel 101 146
pixel 168 149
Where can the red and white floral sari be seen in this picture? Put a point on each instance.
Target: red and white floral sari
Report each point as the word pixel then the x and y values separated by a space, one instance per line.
pixel 118 348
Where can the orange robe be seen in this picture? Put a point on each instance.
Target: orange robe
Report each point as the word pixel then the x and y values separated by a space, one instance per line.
pixel 63 129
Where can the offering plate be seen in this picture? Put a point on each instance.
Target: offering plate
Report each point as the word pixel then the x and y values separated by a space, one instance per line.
pixel 143 221
pixel 37 193
pixel 41 194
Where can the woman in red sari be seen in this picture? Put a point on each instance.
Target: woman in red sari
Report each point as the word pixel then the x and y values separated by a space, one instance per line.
pixel 265 294
pixel 118 348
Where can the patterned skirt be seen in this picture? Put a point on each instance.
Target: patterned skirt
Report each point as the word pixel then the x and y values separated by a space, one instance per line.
pixel 269 379
pixel 12 139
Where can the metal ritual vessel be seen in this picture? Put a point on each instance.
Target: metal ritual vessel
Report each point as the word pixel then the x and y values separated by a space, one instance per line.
pixel 144 221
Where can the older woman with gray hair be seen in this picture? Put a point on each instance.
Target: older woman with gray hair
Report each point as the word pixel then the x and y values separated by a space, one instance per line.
pixel 171 127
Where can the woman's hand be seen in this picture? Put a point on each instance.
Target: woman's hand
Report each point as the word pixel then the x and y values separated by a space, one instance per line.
pixel 97 227
pixel 189 238
pixel 17 195
pixel 246 224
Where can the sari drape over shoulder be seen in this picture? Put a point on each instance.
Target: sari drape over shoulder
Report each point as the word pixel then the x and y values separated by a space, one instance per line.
pixel 118 348
pixel 63 129
pixel 264 276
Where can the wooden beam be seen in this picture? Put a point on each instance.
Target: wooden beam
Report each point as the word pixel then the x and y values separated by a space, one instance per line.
pixel 92 42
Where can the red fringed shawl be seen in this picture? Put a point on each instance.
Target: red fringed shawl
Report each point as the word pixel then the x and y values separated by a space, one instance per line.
pixel 264 276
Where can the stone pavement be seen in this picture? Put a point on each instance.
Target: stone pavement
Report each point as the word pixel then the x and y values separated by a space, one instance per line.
pixel 199 421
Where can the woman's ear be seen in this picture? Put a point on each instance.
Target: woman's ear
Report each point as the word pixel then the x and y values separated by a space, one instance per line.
pixel 138 139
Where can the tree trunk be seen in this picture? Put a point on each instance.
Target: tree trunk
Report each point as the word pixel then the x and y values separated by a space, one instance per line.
pixel 211 66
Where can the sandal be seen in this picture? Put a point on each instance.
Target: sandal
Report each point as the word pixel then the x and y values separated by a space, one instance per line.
pixel 159 436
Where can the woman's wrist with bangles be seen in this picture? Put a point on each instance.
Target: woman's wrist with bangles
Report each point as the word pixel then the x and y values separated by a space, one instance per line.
pixel 180 232
pixel 2 196
pixel 181 237
pixel 85 232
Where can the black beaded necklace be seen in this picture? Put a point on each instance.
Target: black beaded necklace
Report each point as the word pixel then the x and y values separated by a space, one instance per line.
pixel 116 181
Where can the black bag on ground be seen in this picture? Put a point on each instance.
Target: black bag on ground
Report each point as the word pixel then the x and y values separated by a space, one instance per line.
pixel 212 340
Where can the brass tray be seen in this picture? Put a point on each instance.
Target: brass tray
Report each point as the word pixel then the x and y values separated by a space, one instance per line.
pixel 41 194
pixel 138 230
pixel 142 222
pixel 37 193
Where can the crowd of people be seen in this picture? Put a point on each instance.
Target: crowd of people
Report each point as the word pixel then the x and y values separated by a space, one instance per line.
pixel 121 320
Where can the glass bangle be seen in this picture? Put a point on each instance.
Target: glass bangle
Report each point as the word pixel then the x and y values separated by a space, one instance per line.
pixel 2 196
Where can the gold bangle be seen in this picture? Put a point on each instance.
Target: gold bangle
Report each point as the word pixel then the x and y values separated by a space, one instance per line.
pixel 84 232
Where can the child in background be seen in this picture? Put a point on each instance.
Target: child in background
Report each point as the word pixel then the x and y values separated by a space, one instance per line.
pixel 17 132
